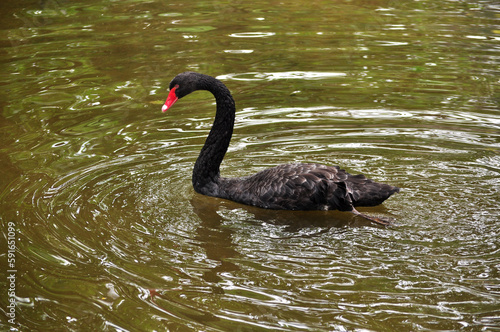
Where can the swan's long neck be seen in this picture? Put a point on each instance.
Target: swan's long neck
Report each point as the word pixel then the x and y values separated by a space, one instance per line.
pixel 206 172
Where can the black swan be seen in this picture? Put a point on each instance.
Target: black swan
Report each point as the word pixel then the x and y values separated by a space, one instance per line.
pixel 284 187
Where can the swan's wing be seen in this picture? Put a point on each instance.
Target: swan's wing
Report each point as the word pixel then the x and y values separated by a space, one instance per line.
pixel 294 187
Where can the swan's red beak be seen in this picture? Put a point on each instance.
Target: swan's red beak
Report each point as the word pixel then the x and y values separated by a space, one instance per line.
pixel 171 99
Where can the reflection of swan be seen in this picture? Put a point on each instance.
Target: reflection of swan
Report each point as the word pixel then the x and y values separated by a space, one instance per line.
pixel 292 220
pixel 284 187
pixel 216 240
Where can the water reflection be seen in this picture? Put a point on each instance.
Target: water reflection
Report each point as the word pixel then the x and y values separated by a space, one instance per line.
pixel 215 239
pixel 291 221
pixel 97 180
pixel 280 76
pixel 252 34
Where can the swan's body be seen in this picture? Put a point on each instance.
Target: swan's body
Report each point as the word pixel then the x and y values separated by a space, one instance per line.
pixel 285 187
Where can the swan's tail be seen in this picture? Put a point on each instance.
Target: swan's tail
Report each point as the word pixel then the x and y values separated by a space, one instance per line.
pixel 366 192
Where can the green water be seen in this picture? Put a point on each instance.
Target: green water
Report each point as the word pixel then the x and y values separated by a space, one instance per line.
pixel 104 232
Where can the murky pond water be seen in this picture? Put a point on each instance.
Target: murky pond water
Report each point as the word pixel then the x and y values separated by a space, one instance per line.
pixel 95 186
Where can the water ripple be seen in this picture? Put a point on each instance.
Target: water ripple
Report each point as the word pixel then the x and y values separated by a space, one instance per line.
pixel 98 181
pixel 303 75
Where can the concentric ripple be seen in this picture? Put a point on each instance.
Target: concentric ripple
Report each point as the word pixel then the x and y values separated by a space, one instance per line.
pixel 96 181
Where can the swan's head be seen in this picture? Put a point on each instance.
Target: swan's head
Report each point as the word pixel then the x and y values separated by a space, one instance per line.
pixel 182 85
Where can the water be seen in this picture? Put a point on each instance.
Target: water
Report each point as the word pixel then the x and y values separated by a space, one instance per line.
pixel 96 189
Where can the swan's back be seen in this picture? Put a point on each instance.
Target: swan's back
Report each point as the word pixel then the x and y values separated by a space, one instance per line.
pixel 305 187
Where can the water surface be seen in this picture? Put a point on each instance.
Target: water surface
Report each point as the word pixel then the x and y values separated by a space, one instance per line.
pixel 110 235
